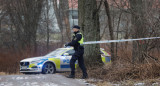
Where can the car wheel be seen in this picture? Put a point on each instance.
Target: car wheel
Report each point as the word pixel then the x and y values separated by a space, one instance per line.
pixel 27 73
pixel 48 68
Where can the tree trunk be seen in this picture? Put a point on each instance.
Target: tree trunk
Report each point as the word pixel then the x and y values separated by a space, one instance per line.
pixel 119 20
pixel 0 27
pixel 81 12
pixel 89 21
pixel 0 33
pixel 139 30
pixel 47 23
pixel 110 29
pixel 25 18
pixel 59 16
pixel 65 10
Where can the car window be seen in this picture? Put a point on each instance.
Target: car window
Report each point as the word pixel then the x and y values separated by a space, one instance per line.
pixel 101 52
pixel 56 52
pixel 70 52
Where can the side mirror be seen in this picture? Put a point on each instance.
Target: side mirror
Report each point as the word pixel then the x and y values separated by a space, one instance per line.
pixel 66 54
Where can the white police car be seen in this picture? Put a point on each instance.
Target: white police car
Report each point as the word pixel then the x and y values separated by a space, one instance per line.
pixel 57 60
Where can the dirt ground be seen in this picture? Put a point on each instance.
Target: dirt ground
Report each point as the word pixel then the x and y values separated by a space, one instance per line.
pixel 40 80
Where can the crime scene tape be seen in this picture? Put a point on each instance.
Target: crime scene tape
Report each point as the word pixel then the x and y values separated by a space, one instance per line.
pixel 122 40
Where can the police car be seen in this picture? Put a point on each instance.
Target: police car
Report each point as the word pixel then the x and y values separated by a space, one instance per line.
pixel 57 60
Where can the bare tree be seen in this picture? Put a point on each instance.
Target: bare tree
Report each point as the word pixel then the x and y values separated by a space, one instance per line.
pixel 110 28
pixel 138 22
pixel 47 20
pixel 65 10
pixel 62 14
pixel 25 15
pixel 89 21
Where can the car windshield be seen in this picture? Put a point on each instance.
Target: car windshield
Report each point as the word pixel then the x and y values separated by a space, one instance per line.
pixel 56 52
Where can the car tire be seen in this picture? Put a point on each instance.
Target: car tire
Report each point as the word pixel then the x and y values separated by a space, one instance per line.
pixel 28 73
pixel 48 68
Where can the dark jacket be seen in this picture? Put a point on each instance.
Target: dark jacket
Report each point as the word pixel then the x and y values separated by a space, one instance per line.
pixel 74 42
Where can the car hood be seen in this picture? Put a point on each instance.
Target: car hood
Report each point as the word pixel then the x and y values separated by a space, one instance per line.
pixel 36 58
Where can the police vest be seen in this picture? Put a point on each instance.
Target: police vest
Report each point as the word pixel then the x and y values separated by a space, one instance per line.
pixel 80 41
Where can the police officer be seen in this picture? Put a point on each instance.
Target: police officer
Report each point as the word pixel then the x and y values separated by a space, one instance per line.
pixel 79 51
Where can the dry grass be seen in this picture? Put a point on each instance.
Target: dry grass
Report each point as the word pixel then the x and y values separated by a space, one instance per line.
pixel 3 73
pixel 104 84
pixel 9 63
pixel 138 72
pixel 123 69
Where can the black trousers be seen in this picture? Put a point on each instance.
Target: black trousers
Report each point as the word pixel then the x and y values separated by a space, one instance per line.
pixel 78 55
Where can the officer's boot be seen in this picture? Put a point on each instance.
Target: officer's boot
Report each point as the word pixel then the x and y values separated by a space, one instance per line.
pixel 85 76
pixel 72 75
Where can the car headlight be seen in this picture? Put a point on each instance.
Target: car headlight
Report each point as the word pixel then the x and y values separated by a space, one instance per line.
pixel 35 62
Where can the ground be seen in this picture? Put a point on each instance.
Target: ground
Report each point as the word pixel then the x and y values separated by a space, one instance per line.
pixel 40 80
pixel 59 79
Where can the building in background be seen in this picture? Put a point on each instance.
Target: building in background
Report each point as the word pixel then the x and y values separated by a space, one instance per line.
pixel 73 12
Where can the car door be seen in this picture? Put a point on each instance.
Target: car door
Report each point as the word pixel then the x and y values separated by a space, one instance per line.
pixel 66 62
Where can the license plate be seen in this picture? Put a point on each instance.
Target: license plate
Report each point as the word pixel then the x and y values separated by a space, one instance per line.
pixel 24 67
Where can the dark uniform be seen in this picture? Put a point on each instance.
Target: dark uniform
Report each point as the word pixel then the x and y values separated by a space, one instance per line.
pixel 78 55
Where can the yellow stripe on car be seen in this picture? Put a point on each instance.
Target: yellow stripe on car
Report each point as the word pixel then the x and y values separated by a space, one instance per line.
pixel 56 61
pixel 31 65
pixel 103 59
